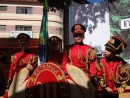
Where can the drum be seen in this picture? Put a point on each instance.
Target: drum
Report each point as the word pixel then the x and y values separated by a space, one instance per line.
pixel 81 86
pixel 47 81
pixel 126 93
pixel 18 85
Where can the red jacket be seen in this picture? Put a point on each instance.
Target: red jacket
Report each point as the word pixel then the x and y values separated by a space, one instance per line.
pixel 56 57
pixel 82 56
pixel 110 71
pixel 19 61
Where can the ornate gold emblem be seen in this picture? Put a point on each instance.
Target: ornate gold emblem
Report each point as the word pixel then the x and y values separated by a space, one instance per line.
pixel 112 41
pixel 77 27
pixel 60 77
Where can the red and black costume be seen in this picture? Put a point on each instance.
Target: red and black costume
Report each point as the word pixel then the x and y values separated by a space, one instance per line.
pixel 56 57
pixel 55 54
pixel 80 55
pixel 20 61
pixel 110 73
pixel 83 56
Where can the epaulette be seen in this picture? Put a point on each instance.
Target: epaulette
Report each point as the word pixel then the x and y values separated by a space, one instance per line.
pixel 92 54
pixel 33 59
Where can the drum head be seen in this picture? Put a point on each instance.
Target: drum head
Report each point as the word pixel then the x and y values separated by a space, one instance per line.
pixel 81 83
pixel 124 95
pixel 18 85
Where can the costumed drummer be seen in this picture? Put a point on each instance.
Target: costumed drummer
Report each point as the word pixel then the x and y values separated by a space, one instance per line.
pixel 79 54
pixel 110 75
pixel 21 59
pixel 55 50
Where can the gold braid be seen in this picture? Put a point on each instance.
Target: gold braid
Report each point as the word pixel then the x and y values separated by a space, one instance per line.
pixel 31 60
pixel 102 81
pixel 123 83
pixel 126 79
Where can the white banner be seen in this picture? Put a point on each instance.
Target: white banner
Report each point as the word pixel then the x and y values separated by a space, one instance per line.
pixel 14 34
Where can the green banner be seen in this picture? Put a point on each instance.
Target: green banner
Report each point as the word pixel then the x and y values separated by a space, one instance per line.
pixel 43 36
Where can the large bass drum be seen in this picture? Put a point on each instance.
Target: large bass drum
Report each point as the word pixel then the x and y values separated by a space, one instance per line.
pixel 48 81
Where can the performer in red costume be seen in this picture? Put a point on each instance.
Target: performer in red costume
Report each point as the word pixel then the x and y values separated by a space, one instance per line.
pixel 55 52
pixel 110 73
pixel 79 54
pixel 21 59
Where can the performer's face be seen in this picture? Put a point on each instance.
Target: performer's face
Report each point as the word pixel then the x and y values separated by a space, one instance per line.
pixel 54 46
pixel 24 46
pixel 78 37
pixel 108 53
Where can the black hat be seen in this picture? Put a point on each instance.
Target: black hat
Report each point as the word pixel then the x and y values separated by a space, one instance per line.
pixel 54 40
pixel 78 28
pixel 116 44
pixel 23 38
